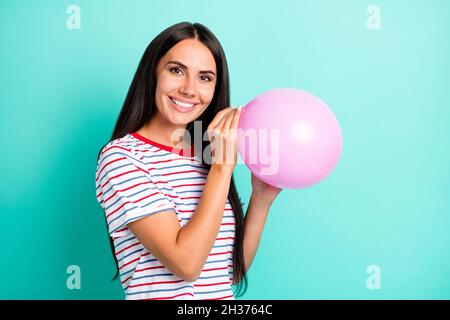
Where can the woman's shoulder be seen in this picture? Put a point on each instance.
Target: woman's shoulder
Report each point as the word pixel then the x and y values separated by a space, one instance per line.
pixel 126 146
pixel 130 148
pixel 119 155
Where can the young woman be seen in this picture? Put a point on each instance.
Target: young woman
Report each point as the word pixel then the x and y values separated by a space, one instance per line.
pixel 174 216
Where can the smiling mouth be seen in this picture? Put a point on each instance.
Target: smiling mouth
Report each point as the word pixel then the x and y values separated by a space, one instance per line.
pixel 182 104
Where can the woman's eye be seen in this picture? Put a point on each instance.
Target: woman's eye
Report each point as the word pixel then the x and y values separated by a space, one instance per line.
pixel 177 70
pixel 205 78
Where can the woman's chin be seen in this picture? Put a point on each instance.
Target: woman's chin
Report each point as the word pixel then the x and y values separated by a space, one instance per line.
pixel 180 121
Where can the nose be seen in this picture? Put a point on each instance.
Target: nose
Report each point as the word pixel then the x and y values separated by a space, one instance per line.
pixel 188 88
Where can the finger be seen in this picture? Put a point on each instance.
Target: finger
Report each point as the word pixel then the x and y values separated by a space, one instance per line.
pixel 219 116
pixel 222 131
pixel 230 133
pixel 237 116
pixel 226 121
pixel 219 127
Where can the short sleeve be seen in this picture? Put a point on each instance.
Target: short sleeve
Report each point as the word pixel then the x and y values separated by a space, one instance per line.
pixel 125 190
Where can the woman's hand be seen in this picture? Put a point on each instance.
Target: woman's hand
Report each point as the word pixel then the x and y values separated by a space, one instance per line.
pixel 264 192
pixel 222 133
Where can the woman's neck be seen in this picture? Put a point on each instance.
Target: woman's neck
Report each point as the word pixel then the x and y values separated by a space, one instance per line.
pixel 164 133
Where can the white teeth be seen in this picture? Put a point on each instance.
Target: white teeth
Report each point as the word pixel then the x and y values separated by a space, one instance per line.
pixel 182 104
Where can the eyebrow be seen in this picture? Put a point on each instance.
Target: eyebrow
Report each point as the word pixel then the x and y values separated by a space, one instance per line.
pixel 185 67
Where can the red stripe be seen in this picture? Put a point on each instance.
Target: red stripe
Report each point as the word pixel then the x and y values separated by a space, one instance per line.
pixel 178 295
pixel 186 210
pixel 127 248
pixel 118 147
pixel 149 268
pixel 139 200
pixel 223 224
pixel 232 238
pixel 223 297
pixel 141 144
pixel 98 176
pixel 126 279
pixel 182 152
pixel 213 269
pixel 151 283
pixel 189 185
pixel 169 195
pixel 122 229
pixel 188 171
pixel 129 263
pixel 227 224
pixel 210 284
pixel 162 161
pixel 219 253
pixel 161 182
pixel 115 192
pixel 144 170
pixel 184 198
pixel 116 176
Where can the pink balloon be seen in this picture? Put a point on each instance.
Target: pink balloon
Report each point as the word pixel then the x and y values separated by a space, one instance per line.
pixel 289 138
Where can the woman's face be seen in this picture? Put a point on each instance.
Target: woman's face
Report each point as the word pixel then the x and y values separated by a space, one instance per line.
pixel 186 78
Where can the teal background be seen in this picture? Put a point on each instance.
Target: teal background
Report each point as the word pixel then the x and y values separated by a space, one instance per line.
pixel 386 203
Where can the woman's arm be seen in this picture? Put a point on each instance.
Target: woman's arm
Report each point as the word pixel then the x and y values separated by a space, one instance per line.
pixel 184 251
pixel 261 200
pixel 255 220
pixel 197 238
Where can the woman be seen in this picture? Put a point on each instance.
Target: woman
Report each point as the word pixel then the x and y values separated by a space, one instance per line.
pixel 174 216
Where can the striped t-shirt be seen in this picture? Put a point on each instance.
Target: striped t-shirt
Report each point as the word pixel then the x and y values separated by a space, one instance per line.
pixel 137 177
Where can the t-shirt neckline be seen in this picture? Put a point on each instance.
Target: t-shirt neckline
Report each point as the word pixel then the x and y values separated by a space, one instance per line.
pixel 189 152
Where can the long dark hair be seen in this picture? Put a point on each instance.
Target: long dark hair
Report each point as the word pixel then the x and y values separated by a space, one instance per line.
pixel 139 106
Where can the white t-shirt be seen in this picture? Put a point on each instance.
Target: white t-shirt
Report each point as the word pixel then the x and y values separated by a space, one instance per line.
pixel 137 177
